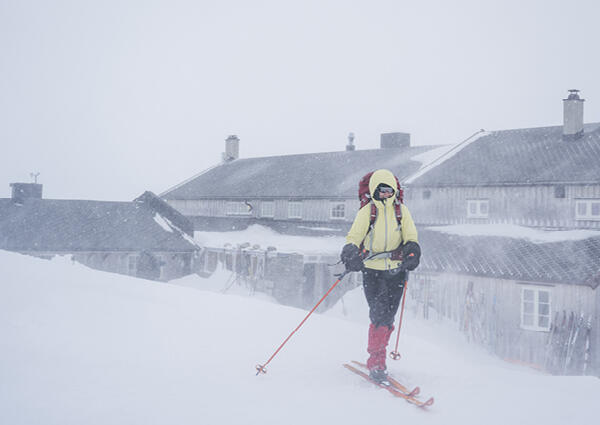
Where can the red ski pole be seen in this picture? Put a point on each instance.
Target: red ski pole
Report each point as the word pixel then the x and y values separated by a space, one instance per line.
pixel 395 354
pixel 262 368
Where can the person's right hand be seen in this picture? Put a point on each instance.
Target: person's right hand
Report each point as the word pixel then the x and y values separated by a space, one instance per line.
pixel 351 258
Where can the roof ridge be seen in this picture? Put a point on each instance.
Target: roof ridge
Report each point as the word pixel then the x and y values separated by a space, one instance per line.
pixel 403 149
pixel 177 186
pixel 589 124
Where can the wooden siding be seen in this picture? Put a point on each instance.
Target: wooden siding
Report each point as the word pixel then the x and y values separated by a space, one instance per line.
pixel 491 315
pixel 534 206
pixel 174 265
pixel 314 210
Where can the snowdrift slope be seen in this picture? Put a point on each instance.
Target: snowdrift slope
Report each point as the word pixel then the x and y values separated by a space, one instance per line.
pixel 80 346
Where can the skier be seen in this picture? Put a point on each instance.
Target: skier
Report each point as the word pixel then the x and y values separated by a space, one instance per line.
pixel 384 238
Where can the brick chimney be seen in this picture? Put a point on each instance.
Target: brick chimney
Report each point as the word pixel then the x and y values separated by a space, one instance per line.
pixel 232 148
pixel 23 191
pixel 573 116
pixel 395 140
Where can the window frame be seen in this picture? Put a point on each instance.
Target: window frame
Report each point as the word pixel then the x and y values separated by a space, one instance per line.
pixel 536 290
pixel 587 216
pixel 271 205
pixel 291 206
pixel 478 203
pixel 333 206
pixel 237 208
pixel 132 264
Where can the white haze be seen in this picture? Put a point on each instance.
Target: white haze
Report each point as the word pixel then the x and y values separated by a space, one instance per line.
pixel 107 99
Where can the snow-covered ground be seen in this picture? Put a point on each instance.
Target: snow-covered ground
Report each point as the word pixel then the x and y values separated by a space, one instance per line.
pixel 79 346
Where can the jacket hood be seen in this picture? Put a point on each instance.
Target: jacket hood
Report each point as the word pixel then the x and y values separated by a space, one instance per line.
pixel 382 176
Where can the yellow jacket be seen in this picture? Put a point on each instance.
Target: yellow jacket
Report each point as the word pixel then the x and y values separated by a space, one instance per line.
pixel 385 235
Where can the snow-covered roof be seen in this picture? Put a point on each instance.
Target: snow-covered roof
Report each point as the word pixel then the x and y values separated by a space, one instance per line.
pixel 521 156
pixel 315 175
pixel 497 251
pixel 50 225
pixel 557 257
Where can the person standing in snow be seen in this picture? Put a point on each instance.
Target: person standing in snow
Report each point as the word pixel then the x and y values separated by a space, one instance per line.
pixel 384 274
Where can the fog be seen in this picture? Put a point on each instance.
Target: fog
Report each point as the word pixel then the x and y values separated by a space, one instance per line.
pixel 108 99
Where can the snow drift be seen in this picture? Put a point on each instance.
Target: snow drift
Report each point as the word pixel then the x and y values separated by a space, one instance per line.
pixel 80 346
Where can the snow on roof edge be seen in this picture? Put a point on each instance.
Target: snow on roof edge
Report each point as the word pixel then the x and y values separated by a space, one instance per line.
pixel 516 232
pixel 446 155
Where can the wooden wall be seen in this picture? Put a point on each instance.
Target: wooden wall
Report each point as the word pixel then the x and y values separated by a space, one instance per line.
pixel 312 209
pixel 491 316
pixel 174 265
pixel 534 205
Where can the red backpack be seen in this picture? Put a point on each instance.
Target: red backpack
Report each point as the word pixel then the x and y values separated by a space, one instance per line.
pixel 364 196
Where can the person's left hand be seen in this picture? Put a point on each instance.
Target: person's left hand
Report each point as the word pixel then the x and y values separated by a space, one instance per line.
pixel 411 255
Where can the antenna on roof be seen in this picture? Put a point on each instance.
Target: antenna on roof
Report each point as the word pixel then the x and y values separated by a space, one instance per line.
pixel 34 176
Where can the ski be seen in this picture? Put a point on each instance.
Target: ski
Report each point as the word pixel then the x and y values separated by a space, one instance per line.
pixel 393 390
pixel 416 391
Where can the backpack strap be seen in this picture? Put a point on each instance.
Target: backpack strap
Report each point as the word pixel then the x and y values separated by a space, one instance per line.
pixel 373 215
pixel 398 209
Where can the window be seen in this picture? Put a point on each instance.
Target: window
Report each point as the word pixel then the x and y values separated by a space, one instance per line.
pixel 267 209
pixel 132 264
pixel 294 209
pixel 478 208
pixel 337 211
pixel 559 192
pixel 535 309
pixel 587 209
pixel 426 194
pixel 239 208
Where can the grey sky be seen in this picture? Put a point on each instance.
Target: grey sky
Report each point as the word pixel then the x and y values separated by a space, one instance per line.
pixel 107 99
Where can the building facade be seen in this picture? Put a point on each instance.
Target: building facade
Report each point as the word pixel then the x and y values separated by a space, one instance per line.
pixel 546 177
pixel 306 193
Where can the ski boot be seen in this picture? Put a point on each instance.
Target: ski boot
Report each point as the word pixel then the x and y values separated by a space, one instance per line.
pixel 378 375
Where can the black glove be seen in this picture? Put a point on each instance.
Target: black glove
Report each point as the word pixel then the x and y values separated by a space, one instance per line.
pixel 351 258
pixel 411 254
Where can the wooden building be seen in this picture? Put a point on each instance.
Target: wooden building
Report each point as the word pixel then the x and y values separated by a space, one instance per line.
pixel 545 177
pixel 308 193
pixel 513 295
pixel 145 238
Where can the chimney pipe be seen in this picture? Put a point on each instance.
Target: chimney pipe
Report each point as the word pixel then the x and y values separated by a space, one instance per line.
pixel 350 146
pixel 232 148
pixel 573 116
